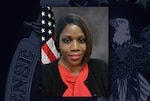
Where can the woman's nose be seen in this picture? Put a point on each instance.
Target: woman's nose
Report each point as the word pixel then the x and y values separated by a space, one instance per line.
pixel 75 45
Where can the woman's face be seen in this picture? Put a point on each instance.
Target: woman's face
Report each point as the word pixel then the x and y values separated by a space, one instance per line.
pixel 72 45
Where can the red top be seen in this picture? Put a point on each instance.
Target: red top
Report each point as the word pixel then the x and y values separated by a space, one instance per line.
pixel 75 83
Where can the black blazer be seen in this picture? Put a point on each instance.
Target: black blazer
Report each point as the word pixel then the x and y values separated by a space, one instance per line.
pixel 97 80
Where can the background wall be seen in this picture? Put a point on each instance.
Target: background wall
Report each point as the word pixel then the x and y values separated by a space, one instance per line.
pixel 97 17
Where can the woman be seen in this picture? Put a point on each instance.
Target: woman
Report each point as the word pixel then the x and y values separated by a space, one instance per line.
pixel 74 74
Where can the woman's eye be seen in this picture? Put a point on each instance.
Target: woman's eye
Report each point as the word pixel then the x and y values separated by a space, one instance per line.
pixel 82 40
pixel 66 40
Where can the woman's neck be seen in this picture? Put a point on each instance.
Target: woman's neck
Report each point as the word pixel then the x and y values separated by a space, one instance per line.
pixel 74 69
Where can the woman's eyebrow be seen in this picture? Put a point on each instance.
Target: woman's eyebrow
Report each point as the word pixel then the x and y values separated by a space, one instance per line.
pixel 70 36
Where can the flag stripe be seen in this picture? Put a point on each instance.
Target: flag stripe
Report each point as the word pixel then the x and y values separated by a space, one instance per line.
pixel 44 58
pixel 51 45
pixel 48 51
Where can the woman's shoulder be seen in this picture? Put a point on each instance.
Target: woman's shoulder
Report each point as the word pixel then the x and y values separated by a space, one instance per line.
pixel 98 64
pixel 97 61
pixel 49 65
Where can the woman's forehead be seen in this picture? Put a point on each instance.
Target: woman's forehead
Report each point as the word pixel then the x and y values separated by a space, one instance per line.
pixel 72 30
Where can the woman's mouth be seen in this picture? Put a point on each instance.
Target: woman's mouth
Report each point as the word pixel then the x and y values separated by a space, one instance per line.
pixel 75 57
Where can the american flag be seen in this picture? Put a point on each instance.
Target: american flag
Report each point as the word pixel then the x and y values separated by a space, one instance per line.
pixel 48 49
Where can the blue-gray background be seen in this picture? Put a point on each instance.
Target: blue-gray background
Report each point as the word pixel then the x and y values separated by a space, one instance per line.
pixel 12 30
